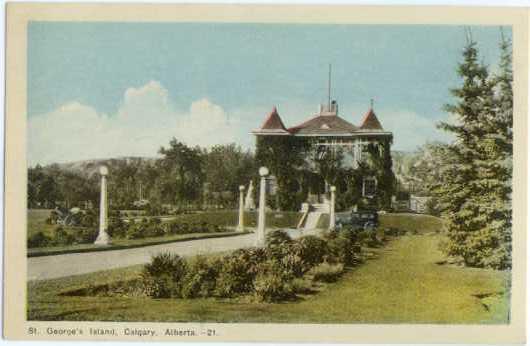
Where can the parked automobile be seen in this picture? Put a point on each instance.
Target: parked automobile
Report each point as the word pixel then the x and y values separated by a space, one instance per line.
pixel 359 220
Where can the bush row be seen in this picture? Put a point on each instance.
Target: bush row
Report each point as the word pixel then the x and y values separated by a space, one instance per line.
pixel 274 273
pixel 117 228
pixel 154 227
pixel 60 237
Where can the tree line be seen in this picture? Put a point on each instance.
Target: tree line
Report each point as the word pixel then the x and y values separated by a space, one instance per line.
pixel 184 177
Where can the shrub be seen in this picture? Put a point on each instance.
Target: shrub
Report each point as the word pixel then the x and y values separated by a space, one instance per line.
pixel 238 271
pixel 136 230
pixel 301 285
pixel 327 272
pixel 277 238
pixel 153 227
pixel 62 238
pixel 163 276
pixel 38 239
pixel 368 238
pixel 201 276
pixel 271 283
pixel 89 219
pixel 117 228
pixel 342 248
pixel 53 218
pixel 312 250
pixel 87 235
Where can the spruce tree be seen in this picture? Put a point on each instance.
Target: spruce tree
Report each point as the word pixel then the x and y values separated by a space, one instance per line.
pixel 474 189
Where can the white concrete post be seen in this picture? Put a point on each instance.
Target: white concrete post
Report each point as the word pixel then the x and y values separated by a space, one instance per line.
pixel 260 233
pixel 241 223
pixel 332 208
pixel 103 237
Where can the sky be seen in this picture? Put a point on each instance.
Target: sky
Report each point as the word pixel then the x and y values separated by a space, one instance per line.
pixel 101 90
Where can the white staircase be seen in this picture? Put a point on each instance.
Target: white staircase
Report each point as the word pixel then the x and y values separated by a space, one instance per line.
pixel 312 220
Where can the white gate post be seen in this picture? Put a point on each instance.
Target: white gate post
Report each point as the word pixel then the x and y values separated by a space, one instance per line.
pixel 241 223
pixel 332 208
pixel 260 233
pixel 103 237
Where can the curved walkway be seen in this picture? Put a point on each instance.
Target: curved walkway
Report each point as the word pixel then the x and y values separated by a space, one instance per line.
pixel 50 267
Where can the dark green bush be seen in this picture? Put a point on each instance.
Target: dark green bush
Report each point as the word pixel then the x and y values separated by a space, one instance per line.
pixel 312 250
pixel 277 238
pixel 86 235
pixel 89 218
pixel 38 239
pixel 62 238
pixel 272 284
pixel 163 276
pixel 136 230
pixel 200 279
pixel 117 228
pixel 343 247
pixel 238 271
pixel 327 272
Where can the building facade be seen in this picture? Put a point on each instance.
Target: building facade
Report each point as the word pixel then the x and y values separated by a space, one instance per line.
pixel 336 151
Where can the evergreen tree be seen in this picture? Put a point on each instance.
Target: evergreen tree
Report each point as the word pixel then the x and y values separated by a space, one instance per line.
pixel 475 187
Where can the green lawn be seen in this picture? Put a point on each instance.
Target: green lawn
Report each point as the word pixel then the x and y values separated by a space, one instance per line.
pixel 37 222
pixel 401 283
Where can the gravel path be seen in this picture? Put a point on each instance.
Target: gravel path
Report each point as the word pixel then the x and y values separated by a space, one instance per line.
pixel 49 267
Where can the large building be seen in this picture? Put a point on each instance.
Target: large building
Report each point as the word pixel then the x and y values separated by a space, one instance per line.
pixel 327 132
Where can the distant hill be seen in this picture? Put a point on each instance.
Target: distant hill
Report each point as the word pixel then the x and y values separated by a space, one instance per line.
pixel 90 167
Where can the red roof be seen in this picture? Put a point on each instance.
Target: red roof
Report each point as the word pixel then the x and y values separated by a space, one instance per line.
pixel 273 121
pixel 370 121
pixel 323 124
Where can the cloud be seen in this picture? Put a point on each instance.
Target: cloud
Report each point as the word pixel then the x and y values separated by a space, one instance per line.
pixel 145 120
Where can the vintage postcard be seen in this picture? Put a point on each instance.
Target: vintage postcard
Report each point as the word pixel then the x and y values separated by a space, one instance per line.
pixel 282 173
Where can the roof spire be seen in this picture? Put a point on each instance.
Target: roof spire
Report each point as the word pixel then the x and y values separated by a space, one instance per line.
pixel 329 88
pixel 371 103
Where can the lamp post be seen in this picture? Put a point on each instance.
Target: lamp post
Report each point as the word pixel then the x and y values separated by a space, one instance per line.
pixel 332 208
pixel 241 223
pixel 103 237
pixel 260 233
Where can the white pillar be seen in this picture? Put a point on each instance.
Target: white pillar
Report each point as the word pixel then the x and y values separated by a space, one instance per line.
pixel 241 223
pixel 260 232
pixel 332 208
pixel 103 237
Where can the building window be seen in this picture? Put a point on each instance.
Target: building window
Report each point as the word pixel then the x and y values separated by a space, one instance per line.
pixel 369 187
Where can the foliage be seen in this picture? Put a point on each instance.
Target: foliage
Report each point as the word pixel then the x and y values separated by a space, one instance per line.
pixel 226 167
pixel 201 276
pixel 312 250
pixel 343 247
pixel 238 271
pixel 162 277
pixel 272 283
pixel 284 156
pixel 474 193
pixel 327 272
pixel 38 239
pixel 181 171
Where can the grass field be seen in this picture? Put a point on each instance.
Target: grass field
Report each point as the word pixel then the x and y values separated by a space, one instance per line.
pixel 37 222
pixel 401 283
